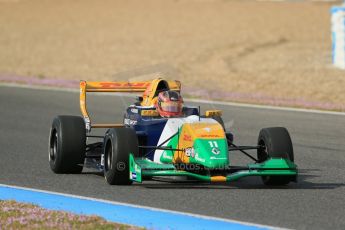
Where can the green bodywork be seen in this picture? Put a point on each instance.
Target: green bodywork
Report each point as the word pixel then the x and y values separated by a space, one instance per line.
pixel 204 155
pixel 202 149
pixel 211 153
pixel 142 167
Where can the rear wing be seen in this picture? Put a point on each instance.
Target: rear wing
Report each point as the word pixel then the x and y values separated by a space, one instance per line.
pixel 147 87
pixel 129 87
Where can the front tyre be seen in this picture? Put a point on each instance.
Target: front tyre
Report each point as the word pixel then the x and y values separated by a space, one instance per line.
pixel 118 144
pixel 67 143
pixel 276 143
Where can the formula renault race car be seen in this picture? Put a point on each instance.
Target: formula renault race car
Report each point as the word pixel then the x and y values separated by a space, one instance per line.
pixel 162 138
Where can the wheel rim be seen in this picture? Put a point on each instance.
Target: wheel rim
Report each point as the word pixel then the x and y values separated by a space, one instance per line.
pixel 109 159
pixel 262 156
pixel 262 153
pixel 53 147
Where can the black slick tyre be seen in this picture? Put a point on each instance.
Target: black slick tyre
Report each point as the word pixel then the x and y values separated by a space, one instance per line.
pixel 276 143
pixel 118 144
pixel 67 143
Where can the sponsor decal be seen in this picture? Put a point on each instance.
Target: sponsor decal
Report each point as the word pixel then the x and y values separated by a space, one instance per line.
pixel 190 152
pixel 124 84
pixel 134 110
pixel 198 158
pixel 133 175
pixel 211 113
pixel 209 135
pixel 128 121
pixel 166 156
pixel 215 151
pixel 217 158
pixel 149 113
pixel 187 137
pixel 207 129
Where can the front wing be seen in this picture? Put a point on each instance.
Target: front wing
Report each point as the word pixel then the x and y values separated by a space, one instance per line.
pixel 141 168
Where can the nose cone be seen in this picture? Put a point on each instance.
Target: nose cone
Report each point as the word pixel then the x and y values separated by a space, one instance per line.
pixel 212 153
pixel 205 143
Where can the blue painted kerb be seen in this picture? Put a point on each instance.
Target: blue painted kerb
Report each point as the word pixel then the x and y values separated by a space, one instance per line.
pixel 120 213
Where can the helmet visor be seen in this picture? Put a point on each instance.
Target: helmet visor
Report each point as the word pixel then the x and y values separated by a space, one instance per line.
pixel 172 107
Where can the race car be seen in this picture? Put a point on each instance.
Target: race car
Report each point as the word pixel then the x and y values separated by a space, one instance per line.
pixel 161 137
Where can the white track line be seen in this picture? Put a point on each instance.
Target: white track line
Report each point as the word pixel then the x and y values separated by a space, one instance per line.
pixel 142 207
pixel 235 104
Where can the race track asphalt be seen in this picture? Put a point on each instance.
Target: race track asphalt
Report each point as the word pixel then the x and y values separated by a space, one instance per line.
pixel 317 201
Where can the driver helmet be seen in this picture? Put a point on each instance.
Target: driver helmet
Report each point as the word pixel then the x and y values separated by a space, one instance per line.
pixel 169 104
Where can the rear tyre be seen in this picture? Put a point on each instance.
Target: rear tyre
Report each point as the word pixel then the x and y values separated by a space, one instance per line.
pixel 67 143
pixel 276 143
pixel 119 143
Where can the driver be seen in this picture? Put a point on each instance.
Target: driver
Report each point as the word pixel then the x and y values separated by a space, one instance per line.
pixel 169 104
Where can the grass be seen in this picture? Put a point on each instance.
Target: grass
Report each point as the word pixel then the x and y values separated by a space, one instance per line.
pixel 14 215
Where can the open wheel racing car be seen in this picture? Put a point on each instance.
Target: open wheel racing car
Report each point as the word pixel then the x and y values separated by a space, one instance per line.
pixel 160 137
